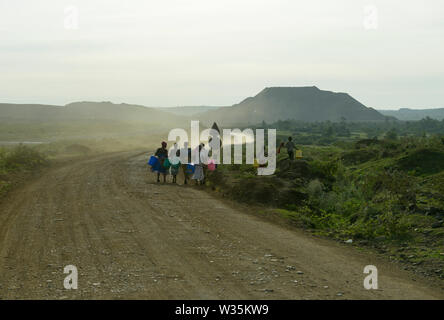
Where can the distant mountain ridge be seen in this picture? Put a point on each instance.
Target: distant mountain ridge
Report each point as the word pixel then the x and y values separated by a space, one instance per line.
pixel 29 112
pixel 85 110
pixel 188 110
pixel 308 104
pixel 407 114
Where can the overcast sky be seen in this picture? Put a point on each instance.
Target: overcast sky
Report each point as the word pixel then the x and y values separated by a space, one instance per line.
pixel 207 52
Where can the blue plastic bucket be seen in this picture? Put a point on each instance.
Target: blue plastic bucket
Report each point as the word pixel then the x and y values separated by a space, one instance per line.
pixel 152 161
pixel 190 168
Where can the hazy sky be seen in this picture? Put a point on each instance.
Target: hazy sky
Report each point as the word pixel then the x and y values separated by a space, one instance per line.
pixel 207 52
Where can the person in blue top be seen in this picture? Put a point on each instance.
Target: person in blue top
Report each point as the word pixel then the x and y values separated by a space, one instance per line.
pixel 162 155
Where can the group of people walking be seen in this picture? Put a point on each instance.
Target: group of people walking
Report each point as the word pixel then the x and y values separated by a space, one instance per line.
pixel 165 162
pixel 168 162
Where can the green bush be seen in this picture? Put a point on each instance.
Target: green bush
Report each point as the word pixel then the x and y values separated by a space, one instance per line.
pixel 21 157
pixel 358 156
pixel 423 162
pixel 17 159
pixel 325 170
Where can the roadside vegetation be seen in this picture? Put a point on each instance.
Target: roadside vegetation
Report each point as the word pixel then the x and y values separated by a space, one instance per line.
pixel 17 161
pixel 384 190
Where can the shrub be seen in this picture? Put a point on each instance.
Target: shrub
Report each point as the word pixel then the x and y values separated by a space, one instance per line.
pixel 423 162
pixel 315 188
pixel 358 156
pixel 325 170
pixel 19 158
pixel 22 157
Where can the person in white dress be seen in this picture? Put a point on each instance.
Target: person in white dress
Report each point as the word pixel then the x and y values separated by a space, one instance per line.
pixel 199 175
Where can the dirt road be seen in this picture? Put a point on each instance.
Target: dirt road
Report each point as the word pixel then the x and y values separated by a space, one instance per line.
pixel 132 238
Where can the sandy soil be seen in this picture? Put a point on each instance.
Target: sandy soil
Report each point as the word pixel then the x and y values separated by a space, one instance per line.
pixel 130 237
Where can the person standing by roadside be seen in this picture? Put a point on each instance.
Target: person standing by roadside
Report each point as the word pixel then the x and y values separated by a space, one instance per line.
pixel 290 148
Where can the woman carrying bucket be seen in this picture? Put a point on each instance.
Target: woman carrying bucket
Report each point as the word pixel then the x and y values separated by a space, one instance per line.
pixel 162 156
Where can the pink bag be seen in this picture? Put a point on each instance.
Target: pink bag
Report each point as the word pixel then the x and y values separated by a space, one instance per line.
pixel 211 165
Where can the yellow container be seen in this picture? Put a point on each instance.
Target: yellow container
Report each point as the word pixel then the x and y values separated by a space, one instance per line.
pixel 298 154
